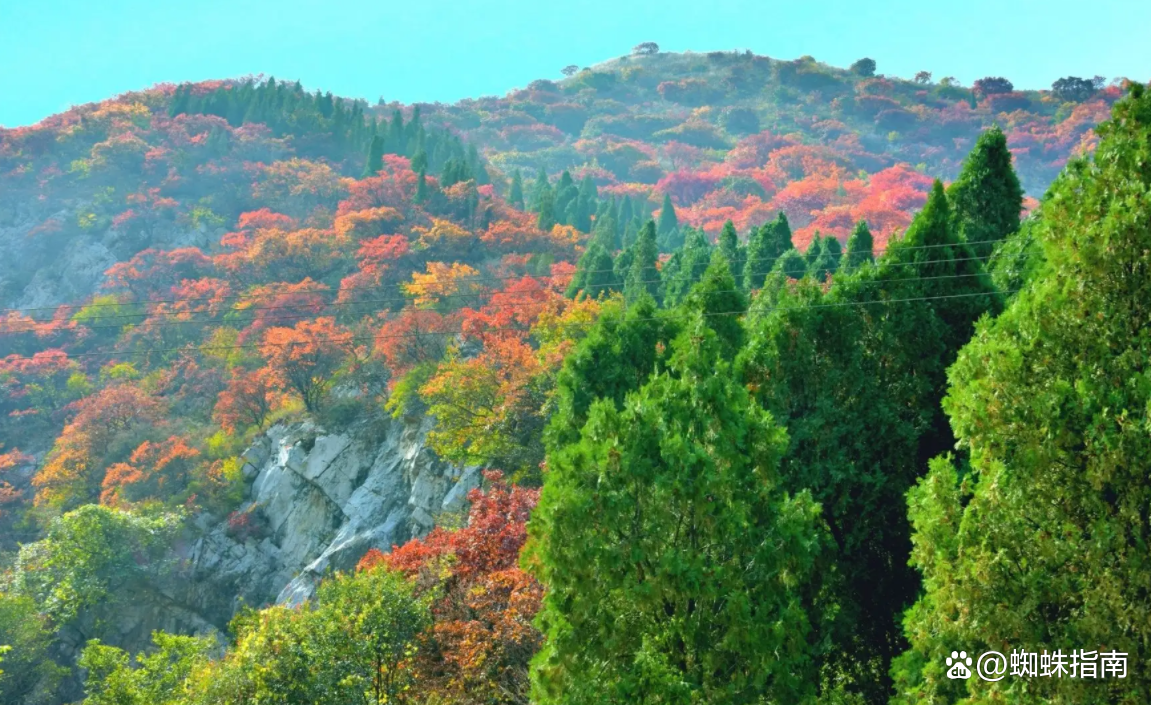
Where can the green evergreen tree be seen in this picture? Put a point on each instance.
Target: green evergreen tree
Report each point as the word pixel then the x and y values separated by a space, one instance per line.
pixel 830 254
pixel 860 248
pixel 875 358
pixel 782 231
pixel 791 264
pixel 721 304
pixel 516 191
pixel 649 536
pixel 987 197
pixel 375 160
pixel 421 196
pixel 667 231
pixel 547 219
pixel 540 186
pixel 1039 543
pixel 760 256
pixel 735 253
pixel 594 273
pixel 626 344
pixel 693 261
pixel 419 160
pixel 396 143
pixel 814 250
pixel 605 234
pixel 643 275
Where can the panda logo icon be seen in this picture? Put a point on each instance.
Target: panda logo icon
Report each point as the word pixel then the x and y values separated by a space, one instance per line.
pixel 958 665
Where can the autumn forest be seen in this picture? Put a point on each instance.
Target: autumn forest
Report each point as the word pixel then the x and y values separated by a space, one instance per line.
pixel 685 378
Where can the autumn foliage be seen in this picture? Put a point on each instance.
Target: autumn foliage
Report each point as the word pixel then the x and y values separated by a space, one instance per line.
pixel 482 635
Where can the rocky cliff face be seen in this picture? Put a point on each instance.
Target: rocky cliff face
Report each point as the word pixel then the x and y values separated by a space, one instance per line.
pixel 322 500
pixel 51 262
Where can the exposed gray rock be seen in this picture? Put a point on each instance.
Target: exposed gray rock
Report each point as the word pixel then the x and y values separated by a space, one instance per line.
pixel 326 499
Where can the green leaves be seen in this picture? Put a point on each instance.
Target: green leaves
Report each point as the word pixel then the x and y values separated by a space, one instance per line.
pixel 677 570
pixel 1043 544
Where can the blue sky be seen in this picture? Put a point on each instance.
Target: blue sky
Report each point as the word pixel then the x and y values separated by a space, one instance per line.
pixel 57 53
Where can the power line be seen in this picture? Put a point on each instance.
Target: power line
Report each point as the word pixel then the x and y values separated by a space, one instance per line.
pixel 350 339
pixel 211 323
pixel 486 278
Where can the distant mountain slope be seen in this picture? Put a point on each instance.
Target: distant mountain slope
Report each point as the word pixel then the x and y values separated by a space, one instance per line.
pixel 727 135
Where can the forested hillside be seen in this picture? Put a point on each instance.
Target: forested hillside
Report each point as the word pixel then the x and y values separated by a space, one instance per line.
pixel 783 381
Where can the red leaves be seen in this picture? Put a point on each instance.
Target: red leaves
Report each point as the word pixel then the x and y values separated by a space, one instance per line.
pixel 482 637
pixel 154 470
pixel 412 337
pixel 304 358
pixel 247 400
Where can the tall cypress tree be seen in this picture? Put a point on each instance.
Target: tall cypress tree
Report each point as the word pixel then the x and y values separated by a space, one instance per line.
pixel 860 248
pixel 516 191
pixel 689 602
pixel 1039 542
pixel 732 250
pixel 421 188
pixel 693 261
pixel 375 160
pixel 546 219
pixel 395 143
pixel 814 250
pixel 721 304
pixel 830 254
pixel 987 197
pixel 540 186
pixel 668 225
pixel 760 256
pixel 782 230
pixel 875 359
pixel 643 275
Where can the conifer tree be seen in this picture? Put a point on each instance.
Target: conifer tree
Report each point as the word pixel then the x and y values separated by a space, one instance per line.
pixel 668 228
pixel 735 253
pixel 643 275
pixel 987 197
pixel 859 248
pixel 693 261
pixel 760 260
pixel 791 264
pixel 594 273
pixel 782 230
pixel 830 254
pixel 395 143
pixel 420 160
pixel 540 186
pixel 721 304
pixel 814 250
pixel 516 191
pixel 1039 543
pixel 547 219
pixel 649 536
pixel 421 196
pixel 375 160
pixel 835 375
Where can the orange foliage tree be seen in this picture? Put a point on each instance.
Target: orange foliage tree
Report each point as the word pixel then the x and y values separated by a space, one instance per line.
pixel 306 357
pixel 153 471
pixel 482 637
pixel 73 471
pixel 248 399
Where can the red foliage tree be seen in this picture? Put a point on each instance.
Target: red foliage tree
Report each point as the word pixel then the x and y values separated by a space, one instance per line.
pixel 304 358
pixel 413 337
pixel 482 637
pixel 153 471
